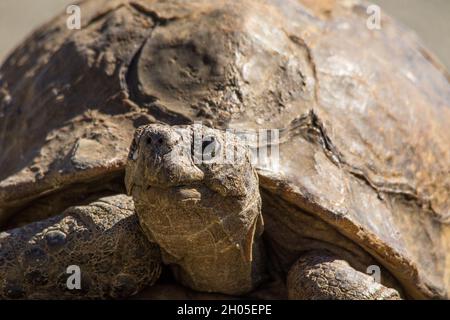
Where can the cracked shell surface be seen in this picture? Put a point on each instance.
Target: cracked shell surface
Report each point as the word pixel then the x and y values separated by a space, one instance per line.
pixel 364 115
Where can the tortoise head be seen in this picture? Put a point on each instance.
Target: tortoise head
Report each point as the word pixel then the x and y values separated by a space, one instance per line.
pixel 166 157
pixel 196 194
pixel 187 187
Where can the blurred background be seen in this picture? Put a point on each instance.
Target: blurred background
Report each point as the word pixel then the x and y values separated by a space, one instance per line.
pixel 429 18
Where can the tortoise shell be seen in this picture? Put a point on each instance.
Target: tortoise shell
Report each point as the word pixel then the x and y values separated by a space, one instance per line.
pixel 363 114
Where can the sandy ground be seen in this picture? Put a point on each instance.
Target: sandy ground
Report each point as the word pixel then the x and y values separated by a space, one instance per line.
pixel 430 19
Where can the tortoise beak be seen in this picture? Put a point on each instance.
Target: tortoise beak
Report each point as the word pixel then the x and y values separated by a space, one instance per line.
pixel 163 159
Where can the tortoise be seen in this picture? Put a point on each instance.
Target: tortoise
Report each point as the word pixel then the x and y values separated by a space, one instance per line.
pixel 362 117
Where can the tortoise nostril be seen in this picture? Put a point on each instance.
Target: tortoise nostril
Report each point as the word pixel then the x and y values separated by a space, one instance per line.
pixel 160 140
pixel 149 140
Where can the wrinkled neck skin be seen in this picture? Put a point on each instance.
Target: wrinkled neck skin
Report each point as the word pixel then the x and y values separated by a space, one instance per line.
pixel 205 215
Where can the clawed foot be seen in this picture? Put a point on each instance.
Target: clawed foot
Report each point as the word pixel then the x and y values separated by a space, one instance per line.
pixel 320 275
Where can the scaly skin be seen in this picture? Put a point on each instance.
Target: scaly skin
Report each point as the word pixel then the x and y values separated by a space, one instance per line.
pixel 103 238
pixel 205 217
pixel 319 275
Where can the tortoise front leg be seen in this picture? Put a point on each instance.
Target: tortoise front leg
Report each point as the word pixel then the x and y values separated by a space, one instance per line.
pixel 101 244
pixel 320 275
